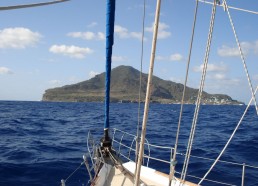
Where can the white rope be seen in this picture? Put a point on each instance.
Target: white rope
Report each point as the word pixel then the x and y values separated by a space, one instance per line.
pixel 198 101
pixel 231 7
pixel 172 167
pixel 232 135
pixel 241 54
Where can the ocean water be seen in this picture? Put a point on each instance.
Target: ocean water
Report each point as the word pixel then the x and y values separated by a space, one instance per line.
pixel 42 142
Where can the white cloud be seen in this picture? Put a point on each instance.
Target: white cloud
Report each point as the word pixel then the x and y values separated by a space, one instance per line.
pixel 223 80
pixel 93 74
pixel 118 58
pixel 136 35
pixel 219 76
pixel 101 36
pixel 226 51
pixel 72 51
pixel 233 81
pixel 172 57
pixel 87 35
pixel 227 86
pixel 247 47
pixel 123 33
pixel 55 82
pixel 4 70
pixel 176 57
pixel 18 37
pixel 93 24
pixel 163 35
pixel 162 32
pixel 211 68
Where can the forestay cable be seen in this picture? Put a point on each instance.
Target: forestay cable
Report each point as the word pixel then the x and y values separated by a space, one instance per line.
pixel 173 163
pixel 198 101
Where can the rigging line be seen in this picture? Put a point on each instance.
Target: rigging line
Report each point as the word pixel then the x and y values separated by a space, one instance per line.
pixel 241 54
pixel 74 171
pixel 232 135
pixel 31 5
pixel 172 170
pixel 140 87
pixel 198 101
pixel 231 7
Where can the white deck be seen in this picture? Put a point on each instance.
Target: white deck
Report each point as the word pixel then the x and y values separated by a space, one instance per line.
pixel 148 175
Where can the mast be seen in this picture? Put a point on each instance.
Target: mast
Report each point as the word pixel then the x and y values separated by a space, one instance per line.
pixel 110 21
pixel 148 94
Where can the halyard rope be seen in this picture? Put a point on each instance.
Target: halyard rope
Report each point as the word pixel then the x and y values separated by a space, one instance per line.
pixel 232 135
pixel 198 101
pixel 241 54
pixel 183 96
pixel 140 87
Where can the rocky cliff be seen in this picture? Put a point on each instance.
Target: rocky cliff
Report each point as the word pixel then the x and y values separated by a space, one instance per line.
pixel 125 88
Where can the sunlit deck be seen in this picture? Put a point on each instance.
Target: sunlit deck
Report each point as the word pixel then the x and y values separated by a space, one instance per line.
pixel 149 176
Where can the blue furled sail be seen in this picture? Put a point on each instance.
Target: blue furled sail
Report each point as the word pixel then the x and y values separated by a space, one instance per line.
pixel 110 21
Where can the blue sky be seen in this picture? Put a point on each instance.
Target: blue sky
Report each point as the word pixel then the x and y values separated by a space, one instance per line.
pixel 62 44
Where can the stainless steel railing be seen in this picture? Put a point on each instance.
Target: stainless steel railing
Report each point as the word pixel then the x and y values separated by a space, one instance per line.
pixel 121 142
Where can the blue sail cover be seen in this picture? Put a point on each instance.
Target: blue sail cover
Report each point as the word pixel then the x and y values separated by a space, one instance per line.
pixel 110 21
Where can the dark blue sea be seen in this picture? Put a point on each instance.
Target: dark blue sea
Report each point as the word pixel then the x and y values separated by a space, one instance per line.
pixel 43 142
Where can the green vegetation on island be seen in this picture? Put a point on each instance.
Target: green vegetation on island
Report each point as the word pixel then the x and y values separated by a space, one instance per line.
pixel 125 88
